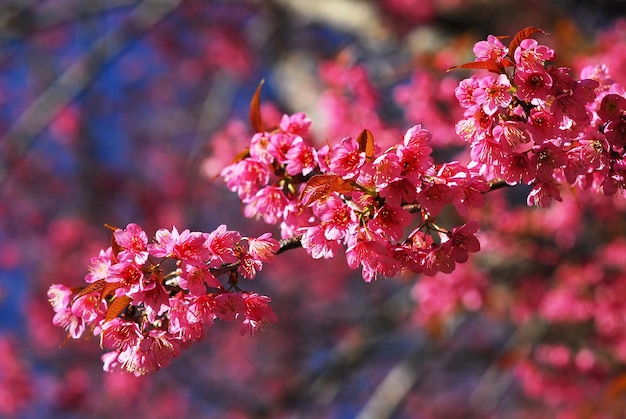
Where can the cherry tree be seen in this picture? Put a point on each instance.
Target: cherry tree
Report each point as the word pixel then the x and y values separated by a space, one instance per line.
pixel 491 217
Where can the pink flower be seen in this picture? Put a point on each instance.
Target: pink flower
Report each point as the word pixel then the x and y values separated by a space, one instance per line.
pixel 202 309
pixel 249 266
pixel 463 241
pixel 69 321
pixel 390 221
pixel 155 301
pixel 542 194
pixel 316 244
pixel 491 49
pixel 221 243
pixel 346 159
pixel 476 126
pixel 196 276
pixel 386 169
pixel 258 148
pixel 512 136
pixel 297 124
pixel 434 197
pixel 184 245
pixel 160 348
pixel 258 313
pixel 612 107
pixel 399 192
pixel 280 144
pixel 517 168
pixel 493 93
pixel 90 307
pixel 263 248
pixel 268 203
pixel 120 334
pixel 229 305
pixel 246 177
pixel 533 85
pixel 438 259
pixel 372 256
pixel 59 297
pixel 594 151
pixel 548 158
pixel 134 243
pixel 179 315
pixel 465 92
pixel 336 217
pixel 99 266
pixel 615 132
pixel 301 159
pixel 541 125
pixel 130 277
pixel 530 56
pixel 469 194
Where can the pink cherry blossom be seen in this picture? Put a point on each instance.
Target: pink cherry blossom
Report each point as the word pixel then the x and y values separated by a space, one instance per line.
pixel 258 313
pixel 134 243
pixel 263 248
pixel 346 159
pixel 221 243
pixel 493 93
pixel 491 49
pixel 530 56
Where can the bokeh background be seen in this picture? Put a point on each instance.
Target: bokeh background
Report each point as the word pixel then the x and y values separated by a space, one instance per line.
pixel 118 111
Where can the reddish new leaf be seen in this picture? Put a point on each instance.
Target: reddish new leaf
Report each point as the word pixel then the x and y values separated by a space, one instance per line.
pixel 116 307
pixel 94 286
pixel 521 35
pixel 479 65
pixel 615 388
pixel 255 109
pixel 320 186
pixel 114 244
pixel 102 286
pixel 366 144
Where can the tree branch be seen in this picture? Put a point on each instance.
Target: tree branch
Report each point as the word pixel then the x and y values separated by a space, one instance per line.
pixel 77 78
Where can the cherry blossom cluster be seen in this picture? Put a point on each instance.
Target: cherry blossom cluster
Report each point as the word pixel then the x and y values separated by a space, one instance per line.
pixel 536 124
pixel 527 122
pixel 379 206
pixel 148 300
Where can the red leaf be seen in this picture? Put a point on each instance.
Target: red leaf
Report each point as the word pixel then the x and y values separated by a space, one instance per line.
pixel 480 65
pixel 116 307
pixel 101 285
pixel 615 388
pixel 94 286
pixel 507 63
pixel 366 144
pixel 255 109
pixel 320 186
pixel 521 35
pixel 244 154
pixel 114 244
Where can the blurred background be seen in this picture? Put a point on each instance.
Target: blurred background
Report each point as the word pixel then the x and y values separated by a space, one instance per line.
pixel 118 111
